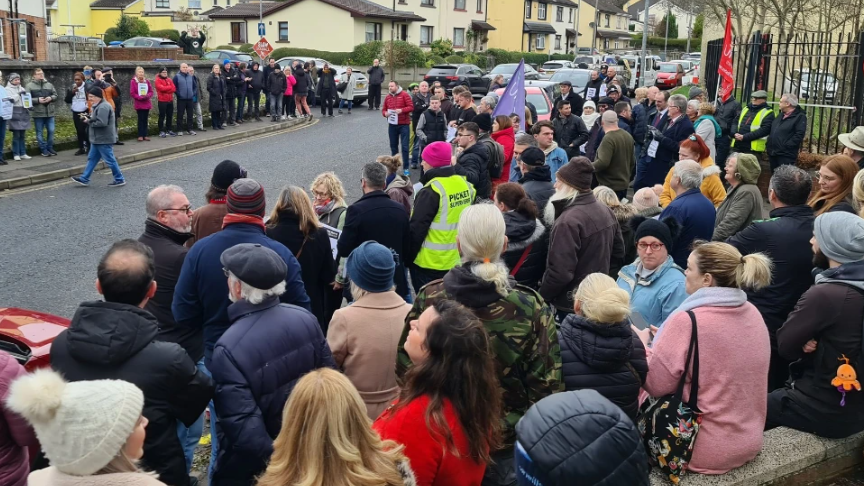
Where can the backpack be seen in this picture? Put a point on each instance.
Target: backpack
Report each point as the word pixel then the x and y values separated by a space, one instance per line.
pixel 496 158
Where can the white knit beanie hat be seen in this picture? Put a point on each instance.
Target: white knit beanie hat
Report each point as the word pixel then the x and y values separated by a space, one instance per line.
pixel 82 425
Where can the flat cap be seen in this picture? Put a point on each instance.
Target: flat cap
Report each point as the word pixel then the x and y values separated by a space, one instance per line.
pixel 760 94
pixel 255 265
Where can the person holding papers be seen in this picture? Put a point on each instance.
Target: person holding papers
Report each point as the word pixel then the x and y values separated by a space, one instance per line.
pixel 397 109
pixel 20 122
pixel 142 92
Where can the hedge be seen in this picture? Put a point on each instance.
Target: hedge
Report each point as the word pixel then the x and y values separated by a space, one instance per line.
pixel 166 34
pixel 661 42
pixel 339 58
pixel 503 57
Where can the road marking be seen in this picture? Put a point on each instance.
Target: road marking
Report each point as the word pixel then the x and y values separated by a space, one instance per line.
pixel 146 163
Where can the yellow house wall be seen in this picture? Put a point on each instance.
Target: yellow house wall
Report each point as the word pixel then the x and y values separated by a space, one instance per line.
pixel 159 23
pixel 102 20
pixel 585 18
pixel 80 15
pixel 506 16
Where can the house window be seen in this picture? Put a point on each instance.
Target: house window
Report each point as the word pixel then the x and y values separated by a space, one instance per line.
pixel 459 5
pixel 559 14
pixel 22 38
pixel 238 32
pixel 570 18
pixel 479 6
pixel 616 44
pixel 215 3
pixel 527 9
pixel 425 35
pixel 541 11
pixel 163 3
pixel 228 2
pixel 373 31
pixel 427 3
pixel 618 19
pixel 557 42
pixel 2 36
pixel 194 4
pixel 283 31
pixel 540 42
pixel 458 37
pixel 606 19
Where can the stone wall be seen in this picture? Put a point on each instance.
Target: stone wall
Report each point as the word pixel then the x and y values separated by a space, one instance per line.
pixel 61 75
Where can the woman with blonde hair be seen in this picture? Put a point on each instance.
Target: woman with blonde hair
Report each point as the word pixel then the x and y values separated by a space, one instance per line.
pixel 836 176
pixel 706 126
pixel 527 356
pixel 623 214
pixel 293 223
pixel 858 192
pixel 398 186
pixel 328 199
pixel 92 431
pixel 326 439
pixel 598 349
pixel 733 357
pixel 142 92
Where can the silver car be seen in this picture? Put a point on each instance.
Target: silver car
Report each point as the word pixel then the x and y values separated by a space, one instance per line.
pixel 361 83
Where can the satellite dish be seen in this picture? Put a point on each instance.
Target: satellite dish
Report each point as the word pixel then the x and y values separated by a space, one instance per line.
pixel 591 25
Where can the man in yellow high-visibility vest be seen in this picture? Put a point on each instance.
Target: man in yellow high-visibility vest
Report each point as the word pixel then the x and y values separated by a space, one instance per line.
pixel 754 125
pixel 434 220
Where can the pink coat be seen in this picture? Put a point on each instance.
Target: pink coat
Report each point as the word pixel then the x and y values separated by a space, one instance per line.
pixel 15 434
pixel 141 102
pixel 734 352
pixel 290 82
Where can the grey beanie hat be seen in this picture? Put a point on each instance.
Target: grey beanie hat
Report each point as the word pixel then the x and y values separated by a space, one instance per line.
pixel 694 92
pixel 840 236
pixel 14 76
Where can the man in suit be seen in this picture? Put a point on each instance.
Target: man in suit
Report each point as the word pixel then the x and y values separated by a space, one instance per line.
pixel 567 93
pixel 662 142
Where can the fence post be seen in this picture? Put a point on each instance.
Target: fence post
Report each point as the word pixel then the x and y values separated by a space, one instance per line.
pixel 752 67
pixel 858 95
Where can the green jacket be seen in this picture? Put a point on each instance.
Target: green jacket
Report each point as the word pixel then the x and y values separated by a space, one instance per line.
pixel 41 89
pixel 523 335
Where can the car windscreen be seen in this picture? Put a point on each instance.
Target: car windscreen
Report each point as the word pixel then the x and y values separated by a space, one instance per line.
pixel 506 69
pixel 577 78
pixel 586 60
pixel 669 68
pixel 819 78
pixel 442 71
pixel 244 57
pixel 539 102
pixel 553 65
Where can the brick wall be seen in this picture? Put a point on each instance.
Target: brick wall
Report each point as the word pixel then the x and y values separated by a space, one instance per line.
pixel 39 36
pixel 144 54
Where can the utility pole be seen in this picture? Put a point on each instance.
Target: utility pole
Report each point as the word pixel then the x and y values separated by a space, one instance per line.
pixel 578 12
pixel 666 43
pixel 645 41
pixel 689 25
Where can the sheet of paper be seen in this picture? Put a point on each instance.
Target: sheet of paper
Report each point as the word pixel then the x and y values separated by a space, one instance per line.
pixel 27 100
pixel 142 89
pixel 392 117
pixel 6 109
pixel 417 187
pixel 582 147
pixel 590 93
pixel 602 90
pixel 451 133
pixel 333 233
pixel 652 148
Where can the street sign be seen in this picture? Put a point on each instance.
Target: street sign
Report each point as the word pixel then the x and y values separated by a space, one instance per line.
pixel 262 48
pixel 261 29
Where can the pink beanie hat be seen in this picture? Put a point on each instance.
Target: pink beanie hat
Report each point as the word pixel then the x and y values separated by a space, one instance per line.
pixel 437 154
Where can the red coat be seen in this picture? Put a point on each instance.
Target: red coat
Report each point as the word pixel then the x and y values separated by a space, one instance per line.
pixel 401 100
pixel 165 89
pixel 507 138
pixel 432 464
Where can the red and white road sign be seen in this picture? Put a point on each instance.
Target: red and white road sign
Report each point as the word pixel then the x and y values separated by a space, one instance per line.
pixel 262 48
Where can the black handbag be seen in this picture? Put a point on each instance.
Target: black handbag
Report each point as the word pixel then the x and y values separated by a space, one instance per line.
pixel 343 86
pixel 668 424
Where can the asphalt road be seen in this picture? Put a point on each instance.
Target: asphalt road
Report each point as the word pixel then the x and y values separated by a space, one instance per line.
pixel 51 237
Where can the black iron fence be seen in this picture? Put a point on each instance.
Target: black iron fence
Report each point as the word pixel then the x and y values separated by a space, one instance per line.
pixel 824 70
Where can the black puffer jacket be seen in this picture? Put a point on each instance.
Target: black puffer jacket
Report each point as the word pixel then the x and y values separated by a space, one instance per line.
pixel 109 341
pixel 597 356
pixel 257 83
pixel 473 163
pixel 522 231
pixel 302 87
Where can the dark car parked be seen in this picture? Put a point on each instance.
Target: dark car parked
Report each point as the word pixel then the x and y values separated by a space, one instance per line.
pixel 236 57
pixel 508 70
pixel 452 75
pixel 150 42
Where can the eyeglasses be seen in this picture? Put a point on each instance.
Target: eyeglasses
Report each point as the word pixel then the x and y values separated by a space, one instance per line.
pixel 185 209
pixel 653 246
pixel 226 271
pixel 692 138
pixel 319 195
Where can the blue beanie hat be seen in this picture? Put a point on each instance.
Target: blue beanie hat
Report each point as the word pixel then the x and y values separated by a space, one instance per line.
pixel 226 61
pixel 371 266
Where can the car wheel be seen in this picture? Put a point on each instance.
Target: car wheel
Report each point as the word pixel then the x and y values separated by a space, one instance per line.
pixel 359 101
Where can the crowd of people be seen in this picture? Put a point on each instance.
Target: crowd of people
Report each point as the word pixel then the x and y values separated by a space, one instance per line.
pixel 515 318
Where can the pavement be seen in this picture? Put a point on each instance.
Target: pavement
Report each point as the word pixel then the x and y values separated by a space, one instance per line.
pixel 54 233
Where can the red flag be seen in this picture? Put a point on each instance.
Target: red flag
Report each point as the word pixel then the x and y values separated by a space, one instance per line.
pixel 727 83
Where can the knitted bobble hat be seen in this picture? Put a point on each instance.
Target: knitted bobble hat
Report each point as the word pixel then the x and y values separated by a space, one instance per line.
pixel 81 425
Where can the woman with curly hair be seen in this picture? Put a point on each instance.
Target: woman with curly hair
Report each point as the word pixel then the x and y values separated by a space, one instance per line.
pixel 328 199
pixel 836 175
pixel 326 439
pixel 398 186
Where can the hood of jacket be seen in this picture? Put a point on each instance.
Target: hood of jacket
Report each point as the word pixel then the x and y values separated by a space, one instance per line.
pixel 478 148
pixel 518 227
pixel 402 183
pixel 604 347
pixel 623 213
pixel 851 274
pixel 159 230
pixel 540 174
pixel 518 245
pixel 107 333
pixel 469 289
pixel 629 271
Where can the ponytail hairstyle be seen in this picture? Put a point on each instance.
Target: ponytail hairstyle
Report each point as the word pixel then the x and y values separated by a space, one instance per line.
pixel 481 242
pixel 392 162
pixel 858 192
pixel 514 197
pixel 729 269
pixel 601 299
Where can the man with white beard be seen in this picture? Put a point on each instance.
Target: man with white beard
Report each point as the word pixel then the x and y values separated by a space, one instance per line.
pixel 166 229
pixel 585 236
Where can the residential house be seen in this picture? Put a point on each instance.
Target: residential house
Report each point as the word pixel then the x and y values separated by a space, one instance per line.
pixel 24 33
pixel 179 15
pixel 104 14
pixel 546 25
pixel 464 22
pixel 607 23
pixel 326 25
pixel 656 12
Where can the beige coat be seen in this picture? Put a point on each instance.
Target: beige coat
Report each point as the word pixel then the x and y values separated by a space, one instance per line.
pixel 52 477
pixel 364 338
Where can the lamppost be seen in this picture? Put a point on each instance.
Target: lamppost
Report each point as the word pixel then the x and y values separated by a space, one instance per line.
pixel 74 39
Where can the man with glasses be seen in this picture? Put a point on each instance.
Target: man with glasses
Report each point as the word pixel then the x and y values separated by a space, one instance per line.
pixel 472 159
pixel 167 227
pixel 661 149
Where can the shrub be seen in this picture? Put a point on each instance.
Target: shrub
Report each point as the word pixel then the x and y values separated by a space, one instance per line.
pixel 223 48
pixel 442 47
pixel 126 28
pixel 245 48
pixel 339 58
pixel 167 34
pixel 454 59
pixel 433 59
pixel 366 53
pixel 402 54
pixel 660 42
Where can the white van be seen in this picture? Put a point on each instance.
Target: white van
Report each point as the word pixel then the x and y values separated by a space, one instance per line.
pixel 650 73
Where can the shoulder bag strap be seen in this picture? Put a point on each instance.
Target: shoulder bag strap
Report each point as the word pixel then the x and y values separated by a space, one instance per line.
pixel 300 251
pixel 680 391
pixel 521 260
pixel 694 379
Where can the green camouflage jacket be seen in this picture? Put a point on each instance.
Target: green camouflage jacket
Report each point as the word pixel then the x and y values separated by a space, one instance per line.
pixel 525 343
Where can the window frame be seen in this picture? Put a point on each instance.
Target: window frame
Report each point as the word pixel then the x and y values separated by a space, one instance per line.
pixel 430 37
pixel 191 7
pixel 455 43
pixel 540 42
pixel 479 6
pixel 570 16
pixel 528 8
pixel 377 31
pixel 559 14
pixel 427 3
pixel 2 36
pixel 162 4
pixel 557 42
pixel 606 20
pixel 542 11
pixel 22 39
pixel 464 6
pixel 279 26
pixel 241 32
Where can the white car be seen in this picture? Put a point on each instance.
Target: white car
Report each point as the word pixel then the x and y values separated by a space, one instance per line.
pixel 686 64
pixel 361 83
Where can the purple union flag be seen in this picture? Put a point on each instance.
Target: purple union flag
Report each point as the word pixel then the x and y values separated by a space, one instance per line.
pixel 512 100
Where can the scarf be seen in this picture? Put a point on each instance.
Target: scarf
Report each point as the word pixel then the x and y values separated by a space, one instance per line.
pixel 326 208
pixel 590 119
pixel 708 117
pixel 709 297
pixel 219 200
pixel 550 149
pixel 232 218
